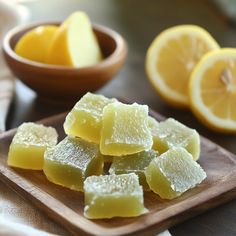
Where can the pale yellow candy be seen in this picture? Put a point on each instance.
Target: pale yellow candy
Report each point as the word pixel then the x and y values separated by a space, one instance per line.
pixel 173 173
pixel 85 119
pixel 29 144
pixel 171 133
pixel 154 126
pixel 113 195
pixel 71 161
pixel 134 163
pixel 152 123
pixel 125 129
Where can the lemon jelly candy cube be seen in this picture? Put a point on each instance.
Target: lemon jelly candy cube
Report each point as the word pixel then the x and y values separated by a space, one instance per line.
pixel 172 133
pixel 154 126
pixel 71 161
pixel 152 123
pixel 125 129
pixel 173 173
pixel 109 196
pixel 134 163
pixel 85 118
pixel 29 144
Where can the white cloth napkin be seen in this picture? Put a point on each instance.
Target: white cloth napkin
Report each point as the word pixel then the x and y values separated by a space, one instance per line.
pixel 7 85
pixel 11 228
pixel 10 16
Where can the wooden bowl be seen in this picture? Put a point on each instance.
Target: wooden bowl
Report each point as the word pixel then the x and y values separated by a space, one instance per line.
pixel 64 83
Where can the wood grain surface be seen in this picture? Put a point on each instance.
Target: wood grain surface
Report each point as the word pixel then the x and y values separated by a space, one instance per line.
pixel 66 206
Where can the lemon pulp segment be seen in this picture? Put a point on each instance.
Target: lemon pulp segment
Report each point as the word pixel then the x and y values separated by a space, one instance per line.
pixel 34 45
pixel 75 43
pixel 212 90
pixel 171 58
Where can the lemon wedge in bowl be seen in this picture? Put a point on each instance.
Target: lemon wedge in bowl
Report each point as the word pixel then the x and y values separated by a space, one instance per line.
pixel 171 58
pixel 34 45
pixel 212 90
pixel 75 43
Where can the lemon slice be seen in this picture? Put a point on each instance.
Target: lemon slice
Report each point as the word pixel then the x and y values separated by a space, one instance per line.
pixel 34 44
pixel 212 90
pixel 171 58
pixel 75 43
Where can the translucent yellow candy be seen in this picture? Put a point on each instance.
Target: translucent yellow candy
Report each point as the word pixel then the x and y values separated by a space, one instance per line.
pixel 173 173
pixel 171 133
pixel 134 163
pixel 125 129
pixel 113 195
pixel 29 144
pixel 71 161
pixel 85 119
pixel 152 123
pixel 154 126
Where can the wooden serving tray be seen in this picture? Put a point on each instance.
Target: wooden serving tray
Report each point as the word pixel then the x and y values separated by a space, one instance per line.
pixel 66 206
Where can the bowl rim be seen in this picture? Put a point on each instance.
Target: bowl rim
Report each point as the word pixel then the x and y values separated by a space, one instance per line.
pixel 117 55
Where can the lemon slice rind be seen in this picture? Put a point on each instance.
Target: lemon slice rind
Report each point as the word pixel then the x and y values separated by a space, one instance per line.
pixel 202 112
pixel 169 95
